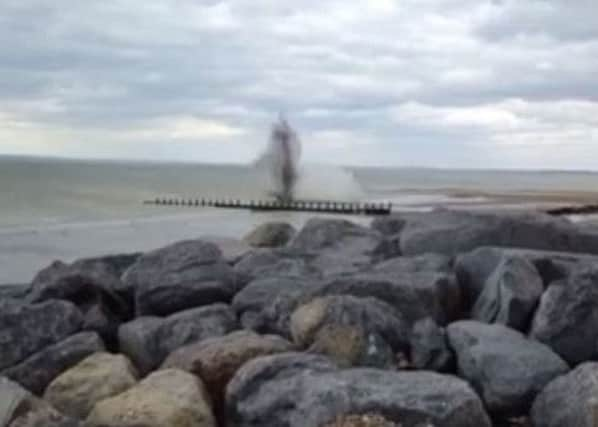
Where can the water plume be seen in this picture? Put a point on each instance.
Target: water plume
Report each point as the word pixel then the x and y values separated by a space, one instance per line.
pixel 288 180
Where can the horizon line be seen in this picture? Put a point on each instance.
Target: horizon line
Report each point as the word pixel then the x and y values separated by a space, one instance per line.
pixel 352 166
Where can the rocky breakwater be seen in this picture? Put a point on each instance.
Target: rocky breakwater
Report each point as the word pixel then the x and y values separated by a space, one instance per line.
pixel 443 319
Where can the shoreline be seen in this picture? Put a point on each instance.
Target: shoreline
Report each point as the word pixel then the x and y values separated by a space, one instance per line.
pixel 26 249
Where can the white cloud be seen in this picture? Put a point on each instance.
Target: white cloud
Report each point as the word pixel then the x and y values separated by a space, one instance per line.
pixel 416 79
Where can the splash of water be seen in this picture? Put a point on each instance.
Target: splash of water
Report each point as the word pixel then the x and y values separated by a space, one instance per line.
pixel 288 180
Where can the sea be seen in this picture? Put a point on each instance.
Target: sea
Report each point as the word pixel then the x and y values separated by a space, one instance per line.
pixel 54 208
pixel 39 192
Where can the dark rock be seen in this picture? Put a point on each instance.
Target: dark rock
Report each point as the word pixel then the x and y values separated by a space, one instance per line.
pixel 265 263
pixel 452 232
pixel 180 276
pixel 372 329
pixel 266 305
pixel 340 246
pixel 414 295
pixel 115 264
pixel 474 268
pixel 431 263
pixel 296 390
pixel 19 408
pixel 271 235
pixel 26 329
pixel 505 368
pixel 38 370
pixel 510 295
pixel 148 340
pixel 92 286
pixel 567 317
pixel 569 400
pixel 388 225
pixel 429 347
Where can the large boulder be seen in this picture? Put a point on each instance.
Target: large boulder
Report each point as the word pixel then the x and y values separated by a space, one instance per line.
pixel 510 295
pixel 569 400
pixel 505 368
pixel 92 286
pixel 266 305
pixel 180 276
pixel 429 347
pixel 296 390
pixel 414 295
pixel 19 408
pixel 148 340
pixel 474 268
pixel 216 360
pixel 340 246
pixel 115 264
pixel 165 398
pixel 28 328
pixel 95 378
pixel 431 263
pixel 452 232
pixel 39 369
pixel 270 235
pixel 265 263
pixel 388 225
pixel 567 317
pixel 353 331
pixel 363 420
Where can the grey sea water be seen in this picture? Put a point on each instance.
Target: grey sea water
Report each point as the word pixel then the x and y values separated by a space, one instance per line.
pixel 54 209
pixel 37 192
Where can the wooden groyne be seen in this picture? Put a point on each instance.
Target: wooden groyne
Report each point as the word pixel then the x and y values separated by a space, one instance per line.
pixel 574 210
pixel 347 208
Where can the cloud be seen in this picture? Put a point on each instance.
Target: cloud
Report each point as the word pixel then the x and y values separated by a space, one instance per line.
pixel 442 83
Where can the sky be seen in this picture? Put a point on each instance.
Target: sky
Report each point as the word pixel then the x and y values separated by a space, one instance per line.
pixel 437 83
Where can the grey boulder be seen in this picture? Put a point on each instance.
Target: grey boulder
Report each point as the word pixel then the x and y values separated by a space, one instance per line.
pixel 297 390
pixel 504 367
pixel 148 340
pixel 429 347
pixel 474 268
pixel 569 400
pixel 183 275
pixel 265 263
pixel 92 286
pixel 28 328
pixel 19 408
pixel 270 235
pixel 431 263
pixel 510 295
pixel 452 232
pixel 38 370
pixel 414 295
pixel 354 331
pixel 340 245
pixel 265 305
pixel 567 317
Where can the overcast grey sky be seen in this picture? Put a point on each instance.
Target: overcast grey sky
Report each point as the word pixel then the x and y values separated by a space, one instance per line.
pixel 454 83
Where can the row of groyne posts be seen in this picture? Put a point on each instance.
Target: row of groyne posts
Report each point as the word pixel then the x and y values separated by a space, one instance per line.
pixel 349 208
